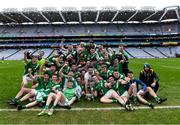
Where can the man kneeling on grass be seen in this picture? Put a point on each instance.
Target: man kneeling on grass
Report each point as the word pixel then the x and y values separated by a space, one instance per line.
pixel 64 99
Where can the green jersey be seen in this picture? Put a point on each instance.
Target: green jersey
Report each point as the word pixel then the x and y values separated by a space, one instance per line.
pixel 57 85
pixel 105 75
pixel 51 59
pixel 69 93
pixel 48 87
pixel 50 73
pixel 72 53
pixel 100 86
pixel 119 88
pixel 41 84
pixel 32 66
pixel 92 57
pixel 118 67
pixel 66 70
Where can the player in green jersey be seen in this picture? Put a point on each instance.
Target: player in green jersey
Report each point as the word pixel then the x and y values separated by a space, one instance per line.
pixel 65 99
pixel 117 93
pixel 100 88
pixel 104 73
pixel 40 92
pixel 30 66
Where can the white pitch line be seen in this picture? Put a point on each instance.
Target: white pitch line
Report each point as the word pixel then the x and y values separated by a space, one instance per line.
pixel 95 109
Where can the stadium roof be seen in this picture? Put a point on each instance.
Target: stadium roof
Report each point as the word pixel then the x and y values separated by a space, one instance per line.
pixel 69 15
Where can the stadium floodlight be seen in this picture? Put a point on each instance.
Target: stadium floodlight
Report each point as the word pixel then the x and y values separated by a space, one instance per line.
pixel 49 9
pixel 171 8
pixel 109 8
pixel 10 10
pixel 88 9
pixel 69 9
pixel 30 9
pixel 128 8
pixel 148 8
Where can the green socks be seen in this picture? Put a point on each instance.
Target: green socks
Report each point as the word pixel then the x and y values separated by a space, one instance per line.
pixel 114 100
pixel 157 99
pixel 53 106
pixel 46 107
pixel 23 107
pixel 134 99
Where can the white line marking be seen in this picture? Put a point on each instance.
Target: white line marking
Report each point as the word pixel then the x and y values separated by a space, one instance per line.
pixel 95 109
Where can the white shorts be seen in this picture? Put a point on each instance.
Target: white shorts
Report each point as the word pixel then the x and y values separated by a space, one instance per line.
pixel 66 102
pixel 109 93
pixel 27 78
pixel 39 94
pixel 125 94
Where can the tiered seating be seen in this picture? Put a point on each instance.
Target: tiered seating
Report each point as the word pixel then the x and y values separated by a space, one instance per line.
pixel 47 52
pixel 138 53
pixel 19 55
pixel 146 52
pixel 154 52
pixel 166 51
pixel 7 53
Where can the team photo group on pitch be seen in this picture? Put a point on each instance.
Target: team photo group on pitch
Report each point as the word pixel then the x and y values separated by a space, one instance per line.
pixel 85 71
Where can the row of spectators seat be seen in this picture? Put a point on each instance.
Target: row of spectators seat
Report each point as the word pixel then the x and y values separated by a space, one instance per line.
pixel 134 52
pixel 103 29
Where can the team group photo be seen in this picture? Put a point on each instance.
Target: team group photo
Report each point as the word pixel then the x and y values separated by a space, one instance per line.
pixel 89 62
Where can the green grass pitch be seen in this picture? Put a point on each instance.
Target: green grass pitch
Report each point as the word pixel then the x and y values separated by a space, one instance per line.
pixel 167 69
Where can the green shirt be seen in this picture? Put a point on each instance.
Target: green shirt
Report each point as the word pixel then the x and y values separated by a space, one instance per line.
pixel 32 66
pixel 118 67
pixel 41 84
pixel 105 75
pixel 119 88
pixel 50 73
pixel 48 87
pixel 69 93
pixel 100 86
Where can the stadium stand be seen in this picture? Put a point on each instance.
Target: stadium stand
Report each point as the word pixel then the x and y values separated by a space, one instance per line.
pixel 154 52
pixel 147 28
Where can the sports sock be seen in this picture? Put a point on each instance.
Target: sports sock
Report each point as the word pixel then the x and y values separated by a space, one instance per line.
pixel 114 100
pixel 53 107
pixel 23 107
pixel 157 98
pixel 46 107
pixel 148 103
pixel 135 99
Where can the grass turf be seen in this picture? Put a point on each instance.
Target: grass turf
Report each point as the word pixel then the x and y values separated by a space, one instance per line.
pixel 168 70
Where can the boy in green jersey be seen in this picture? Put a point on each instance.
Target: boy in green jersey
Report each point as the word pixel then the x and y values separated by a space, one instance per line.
pixel 65 99
pixel 40 92
pixel 116 93
pixel 104 73
pixel 100 88
pixel 30 67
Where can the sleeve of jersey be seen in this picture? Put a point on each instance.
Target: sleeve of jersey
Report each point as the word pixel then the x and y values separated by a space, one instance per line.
pixel 58 87
pixel 122 76
pixel 142 84
pixel 155 76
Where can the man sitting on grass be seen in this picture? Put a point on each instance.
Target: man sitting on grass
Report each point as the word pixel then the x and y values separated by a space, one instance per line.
pixel 65 99
pixel 42 89
pixel 113 91
pixel 142 92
